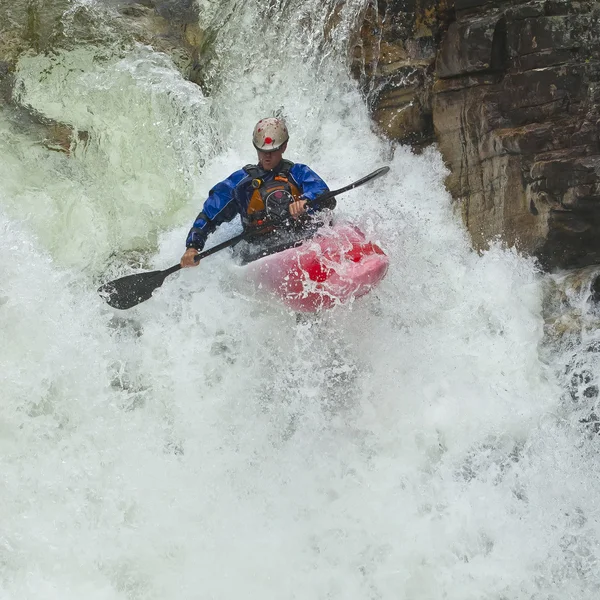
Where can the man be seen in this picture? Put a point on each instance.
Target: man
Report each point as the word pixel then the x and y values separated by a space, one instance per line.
pixel 270 197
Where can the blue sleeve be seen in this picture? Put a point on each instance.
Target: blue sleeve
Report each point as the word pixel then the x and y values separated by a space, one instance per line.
pixel 312 186
pixel 308 181
pixel 219 207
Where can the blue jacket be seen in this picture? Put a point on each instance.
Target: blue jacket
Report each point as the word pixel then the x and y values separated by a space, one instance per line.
pixel 232 196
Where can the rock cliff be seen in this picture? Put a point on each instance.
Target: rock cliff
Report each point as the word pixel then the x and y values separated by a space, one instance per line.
pixel 509 90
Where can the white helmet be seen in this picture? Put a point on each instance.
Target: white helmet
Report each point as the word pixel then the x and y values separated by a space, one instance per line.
pixel 270 134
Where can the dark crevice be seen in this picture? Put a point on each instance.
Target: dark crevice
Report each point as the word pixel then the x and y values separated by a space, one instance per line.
pixel 533 209
pixel 499 47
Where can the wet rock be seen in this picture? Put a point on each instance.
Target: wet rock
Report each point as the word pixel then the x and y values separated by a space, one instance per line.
pixel 29 25
pixel 169 26
pixel 53 135
pixel 177 11
pixel 571 296
pixel 593 422
pixel 36 26
pixel 136 10
pixel 595 290
pixel 472 47
pixel 572 342
pixel 6 82
pixel 394 61
pixel 510 91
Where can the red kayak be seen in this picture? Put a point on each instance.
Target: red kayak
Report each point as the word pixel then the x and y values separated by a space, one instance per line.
pixel 335 266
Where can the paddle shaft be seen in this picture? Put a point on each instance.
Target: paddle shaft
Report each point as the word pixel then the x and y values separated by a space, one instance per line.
pixel 226 244
pixel 351 186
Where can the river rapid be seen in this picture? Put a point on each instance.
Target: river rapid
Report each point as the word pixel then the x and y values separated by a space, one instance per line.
pixel 416 444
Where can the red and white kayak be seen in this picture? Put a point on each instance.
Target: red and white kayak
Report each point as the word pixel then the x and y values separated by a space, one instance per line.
pixel 335 266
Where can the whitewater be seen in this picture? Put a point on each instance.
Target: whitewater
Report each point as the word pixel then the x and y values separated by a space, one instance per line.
pixel 415 444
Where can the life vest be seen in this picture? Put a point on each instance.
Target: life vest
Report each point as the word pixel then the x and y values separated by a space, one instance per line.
pixel 270 200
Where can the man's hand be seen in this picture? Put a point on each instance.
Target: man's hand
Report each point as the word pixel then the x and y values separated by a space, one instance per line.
pixel 298 208
pixel 187 260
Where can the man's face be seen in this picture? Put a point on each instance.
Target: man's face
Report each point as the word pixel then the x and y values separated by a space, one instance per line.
pixel 269 160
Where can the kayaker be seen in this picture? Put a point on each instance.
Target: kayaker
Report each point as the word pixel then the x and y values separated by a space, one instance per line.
pixel 270 197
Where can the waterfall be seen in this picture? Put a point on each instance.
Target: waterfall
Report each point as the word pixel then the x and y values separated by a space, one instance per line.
pixel 412 445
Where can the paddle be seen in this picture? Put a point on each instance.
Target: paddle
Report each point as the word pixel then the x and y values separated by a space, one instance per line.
pixel 131 290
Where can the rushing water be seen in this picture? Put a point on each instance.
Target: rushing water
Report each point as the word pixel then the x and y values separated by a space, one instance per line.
pixel 413 445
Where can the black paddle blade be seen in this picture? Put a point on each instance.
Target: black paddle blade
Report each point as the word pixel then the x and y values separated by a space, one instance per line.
pixel 370 176
pixel 131 290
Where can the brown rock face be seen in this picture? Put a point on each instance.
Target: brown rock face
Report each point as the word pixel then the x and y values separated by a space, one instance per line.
pixel 394 62
pixel 513 96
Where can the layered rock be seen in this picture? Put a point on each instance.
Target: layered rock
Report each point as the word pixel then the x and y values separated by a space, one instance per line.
pixel 512 92
pixel 394 60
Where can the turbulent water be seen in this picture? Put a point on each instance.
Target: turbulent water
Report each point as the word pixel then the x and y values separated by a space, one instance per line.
pixel 416 444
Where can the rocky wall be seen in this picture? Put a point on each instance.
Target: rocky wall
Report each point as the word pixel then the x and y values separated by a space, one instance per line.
pixel 509 90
